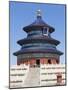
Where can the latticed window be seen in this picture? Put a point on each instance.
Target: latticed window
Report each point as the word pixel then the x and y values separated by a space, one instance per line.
pixel 45 31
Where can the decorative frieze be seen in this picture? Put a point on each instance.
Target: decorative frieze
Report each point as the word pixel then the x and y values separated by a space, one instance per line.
pixel 37 55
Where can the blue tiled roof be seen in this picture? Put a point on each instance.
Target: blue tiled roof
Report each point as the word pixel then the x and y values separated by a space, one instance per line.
pixel 38 23
pixel 22 51
pixel 42 39
pixel 38 37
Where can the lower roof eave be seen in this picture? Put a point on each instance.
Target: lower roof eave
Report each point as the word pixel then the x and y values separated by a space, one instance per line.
pixel 26 52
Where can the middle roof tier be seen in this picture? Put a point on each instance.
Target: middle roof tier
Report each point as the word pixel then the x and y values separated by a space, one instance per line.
pixel 41 39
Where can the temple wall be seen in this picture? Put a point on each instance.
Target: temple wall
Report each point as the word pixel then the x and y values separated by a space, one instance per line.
pixel 49 75
pixel 20 75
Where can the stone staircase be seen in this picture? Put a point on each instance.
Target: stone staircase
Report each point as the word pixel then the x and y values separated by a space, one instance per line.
pixel 33 77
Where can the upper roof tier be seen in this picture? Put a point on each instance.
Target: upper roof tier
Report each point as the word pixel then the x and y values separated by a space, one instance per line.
pixel 38 24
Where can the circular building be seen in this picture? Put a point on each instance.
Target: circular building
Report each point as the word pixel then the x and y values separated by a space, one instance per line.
pixel 38 47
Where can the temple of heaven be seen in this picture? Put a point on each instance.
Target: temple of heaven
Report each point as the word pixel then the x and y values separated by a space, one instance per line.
pixel 38 47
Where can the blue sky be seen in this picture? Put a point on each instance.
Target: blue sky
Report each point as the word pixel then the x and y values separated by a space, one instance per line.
pixel 23 14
